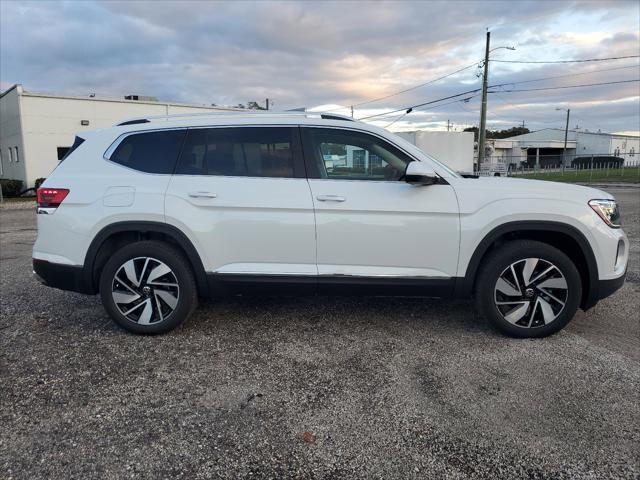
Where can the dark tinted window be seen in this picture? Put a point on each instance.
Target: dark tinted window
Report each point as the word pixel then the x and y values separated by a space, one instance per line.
pixel 151 152
pixel 62 152
pixel 240 151
pixel 352 155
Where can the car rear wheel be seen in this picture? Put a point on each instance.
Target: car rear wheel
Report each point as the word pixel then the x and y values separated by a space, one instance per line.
pixel 148 287
pixel 528 289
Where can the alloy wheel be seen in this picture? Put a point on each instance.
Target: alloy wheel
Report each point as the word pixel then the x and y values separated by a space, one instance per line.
pixel 531 292
pixel 145 290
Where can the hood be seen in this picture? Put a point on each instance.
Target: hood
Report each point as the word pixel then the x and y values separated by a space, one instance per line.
pixel 474 193
pixel 522 187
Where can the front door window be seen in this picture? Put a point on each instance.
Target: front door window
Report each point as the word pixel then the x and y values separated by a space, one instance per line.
pixel 352 155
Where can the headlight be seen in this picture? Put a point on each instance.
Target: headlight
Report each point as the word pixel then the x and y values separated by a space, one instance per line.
pixel 608 211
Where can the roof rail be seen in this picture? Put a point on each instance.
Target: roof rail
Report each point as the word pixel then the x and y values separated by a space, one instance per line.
pixel 333 116
pixel 133 122
pixel 234 113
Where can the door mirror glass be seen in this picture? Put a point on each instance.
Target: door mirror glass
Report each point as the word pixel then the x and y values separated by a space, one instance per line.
pixel 419 173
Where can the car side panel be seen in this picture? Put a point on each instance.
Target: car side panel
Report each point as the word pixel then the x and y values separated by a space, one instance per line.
pixel 252 226
pixel 483 209
pixel 101 193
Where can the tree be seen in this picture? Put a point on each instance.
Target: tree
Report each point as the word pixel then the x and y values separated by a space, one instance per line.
pixel 255 106
pixel 510 132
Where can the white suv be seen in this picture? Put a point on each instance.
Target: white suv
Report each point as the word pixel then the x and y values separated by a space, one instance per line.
pixel 154 213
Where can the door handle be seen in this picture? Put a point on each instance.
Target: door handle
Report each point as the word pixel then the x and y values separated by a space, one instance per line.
pixel 202 194
pixel 330 198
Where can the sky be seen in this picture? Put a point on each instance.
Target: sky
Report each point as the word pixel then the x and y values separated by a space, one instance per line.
pixel 333 54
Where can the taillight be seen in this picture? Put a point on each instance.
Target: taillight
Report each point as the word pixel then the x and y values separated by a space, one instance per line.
pixel 51 197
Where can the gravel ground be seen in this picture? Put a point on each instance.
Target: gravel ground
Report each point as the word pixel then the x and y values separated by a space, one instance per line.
pixel 312 387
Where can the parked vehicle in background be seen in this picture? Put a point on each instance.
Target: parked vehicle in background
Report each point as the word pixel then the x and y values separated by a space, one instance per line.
pixel 494 169
pixel 154 213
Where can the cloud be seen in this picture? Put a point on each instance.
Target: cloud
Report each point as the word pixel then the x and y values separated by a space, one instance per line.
pixel 312 53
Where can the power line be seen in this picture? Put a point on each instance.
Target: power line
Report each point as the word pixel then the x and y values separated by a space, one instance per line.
pixel 510 83
pixel 395 120
pixel 566 86
pixel 566 75
pixel 421 104
pixel 500 91
pixel 416 86
pixel 437 106
pixel 568 61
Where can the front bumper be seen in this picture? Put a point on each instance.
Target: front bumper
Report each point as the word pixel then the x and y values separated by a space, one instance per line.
pixel 64 277
pixel 602 289
pixel 608 287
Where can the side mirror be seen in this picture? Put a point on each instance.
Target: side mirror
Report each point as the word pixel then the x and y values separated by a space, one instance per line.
pixel 419 173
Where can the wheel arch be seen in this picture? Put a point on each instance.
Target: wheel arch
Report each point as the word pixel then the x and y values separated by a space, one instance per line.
pixel 566 238
pixel 118 234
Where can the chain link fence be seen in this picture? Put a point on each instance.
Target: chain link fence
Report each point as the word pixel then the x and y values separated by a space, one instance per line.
pixel 585 168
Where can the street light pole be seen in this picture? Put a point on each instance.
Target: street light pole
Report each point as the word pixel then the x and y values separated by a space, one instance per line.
pixel 483 110
pixel 566 132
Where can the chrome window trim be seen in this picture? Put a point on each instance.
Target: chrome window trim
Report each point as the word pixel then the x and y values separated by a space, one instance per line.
pixel 435 163
pixel 368 132
pixel 380 137
pixel 352 275
pixel 114 145
pixel 119 139
pixel 275 125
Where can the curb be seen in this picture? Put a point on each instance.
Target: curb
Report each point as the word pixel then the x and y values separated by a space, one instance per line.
pixel 635 186
pixel 18 205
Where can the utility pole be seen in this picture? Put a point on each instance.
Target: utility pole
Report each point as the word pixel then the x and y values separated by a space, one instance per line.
pixel 267 103
pixel 566 131
pixel 351 111
pixel 483 110
pixel 448 125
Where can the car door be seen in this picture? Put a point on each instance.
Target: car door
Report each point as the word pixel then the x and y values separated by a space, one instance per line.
pixel 372 227
pixel 243 194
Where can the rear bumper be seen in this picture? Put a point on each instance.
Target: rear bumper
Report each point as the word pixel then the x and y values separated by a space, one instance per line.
pixel 64 277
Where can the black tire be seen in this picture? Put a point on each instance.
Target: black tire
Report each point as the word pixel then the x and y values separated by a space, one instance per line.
pixel 498 263
pixel 159 253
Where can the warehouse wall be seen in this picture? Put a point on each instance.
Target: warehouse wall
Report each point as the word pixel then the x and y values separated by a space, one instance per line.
pixel 52 122
pixel 454 149
pixel 11 166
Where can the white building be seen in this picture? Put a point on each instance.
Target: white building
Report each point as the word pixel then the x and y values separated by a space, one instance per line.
pixel 454 149
pixel 545 147
pixel 37 129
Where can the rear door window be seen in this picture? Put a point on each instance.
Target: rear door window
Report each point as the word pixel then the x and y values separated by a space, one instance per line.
pixel 150 152
pixel 242 152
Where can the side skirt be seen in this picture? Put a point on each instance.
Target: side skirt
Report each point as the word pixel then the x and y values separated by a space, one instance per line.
pixel 294 285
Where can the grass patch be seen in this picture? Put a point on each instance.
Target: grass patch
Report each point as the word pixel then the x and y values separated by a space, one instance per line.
pixel 621 175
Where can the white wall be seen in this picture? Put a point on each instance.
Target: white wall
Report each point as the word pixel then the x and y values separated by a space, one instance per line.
pixel 629 148
pixel 48 123
pixel 454 149
pixel 10 138
pixel 45 123
pixel 593 144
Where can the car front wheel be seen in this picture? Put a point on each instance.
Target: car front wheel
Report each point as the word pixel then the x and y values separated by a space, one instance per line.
pixel 148 287
pixel 528 289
